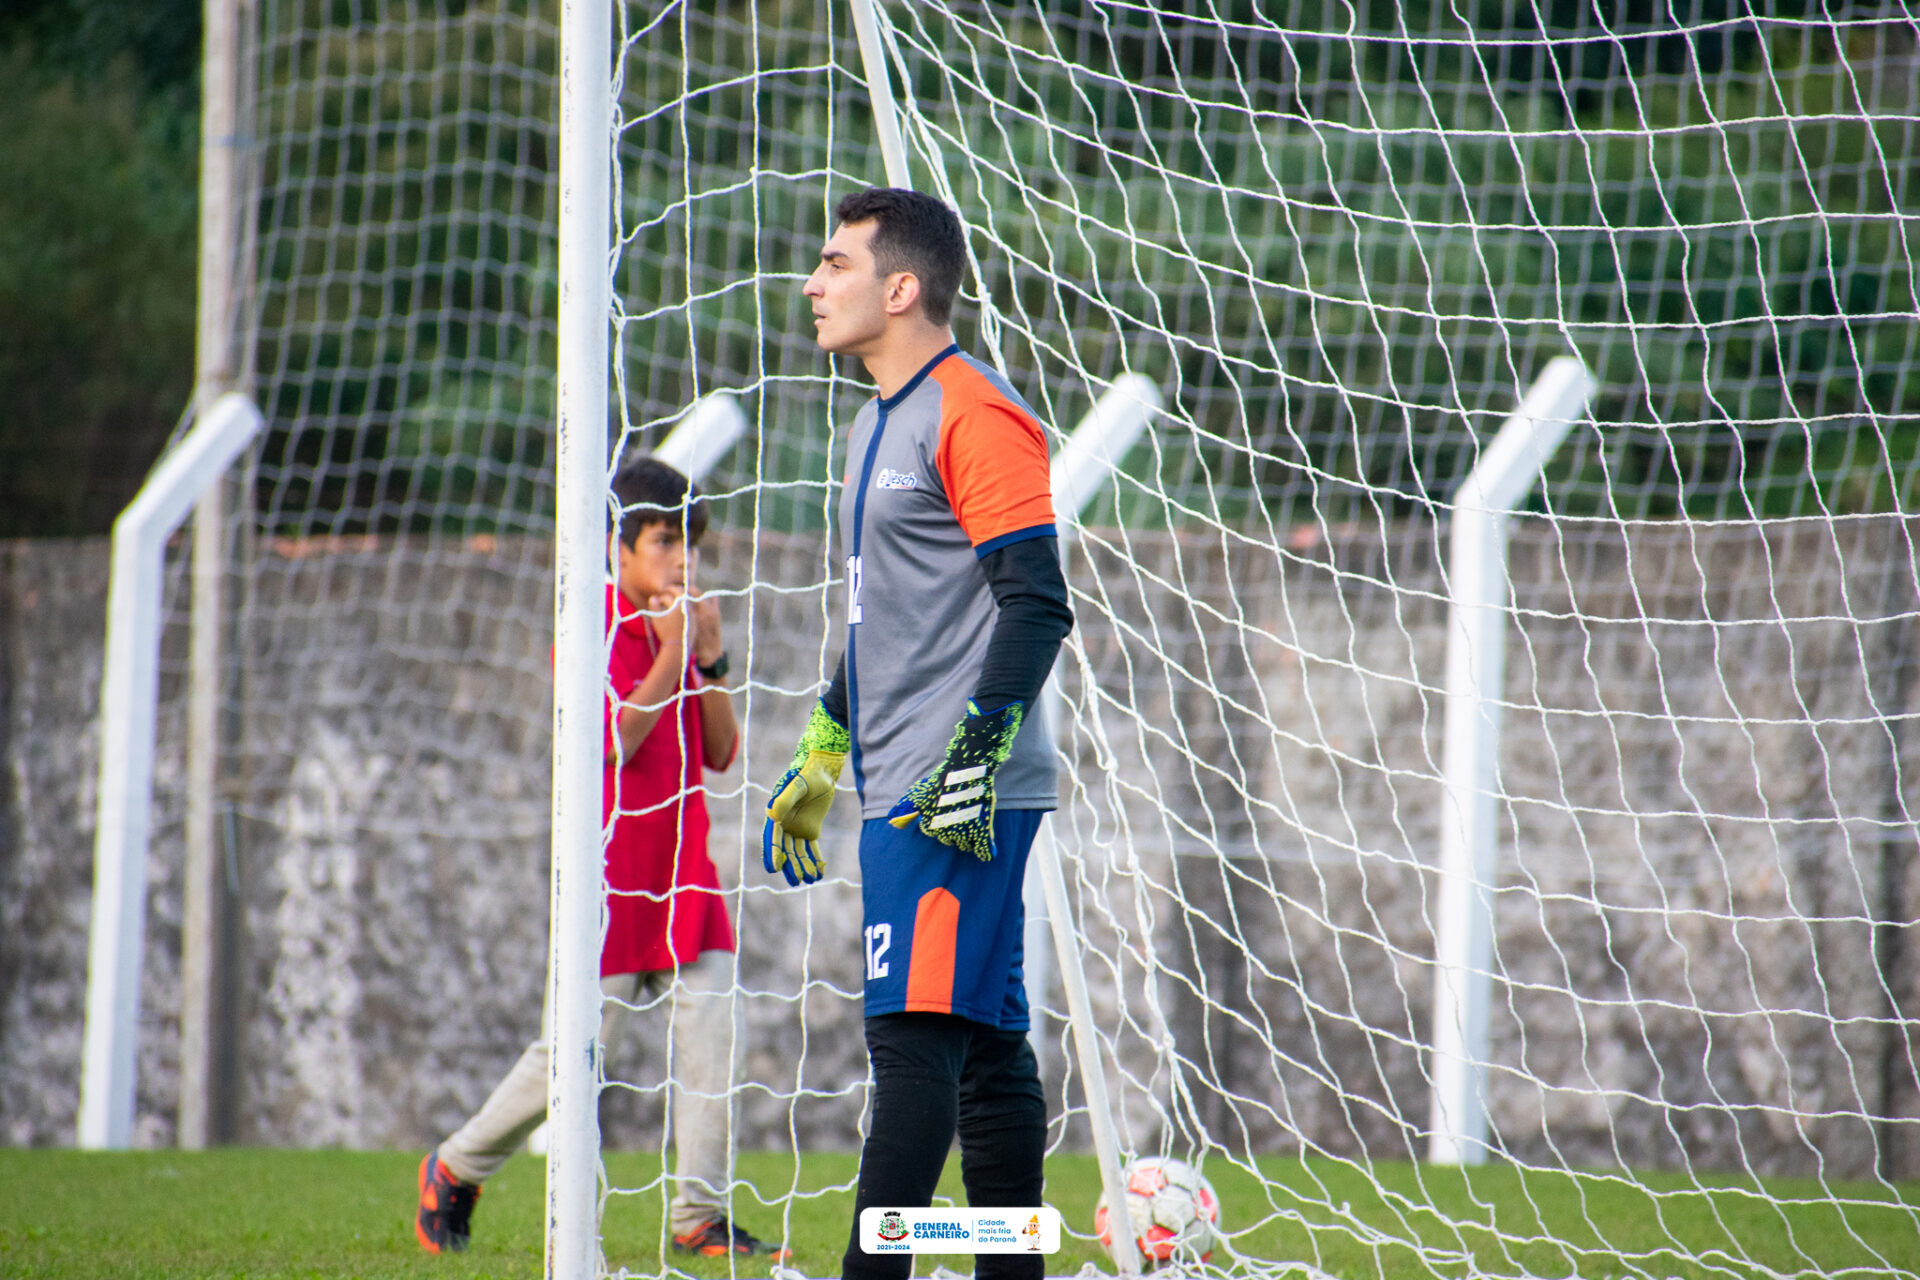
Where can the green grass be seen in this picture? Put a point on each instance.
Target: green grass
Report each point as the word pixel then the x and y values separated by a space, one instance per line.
pixel 264 1213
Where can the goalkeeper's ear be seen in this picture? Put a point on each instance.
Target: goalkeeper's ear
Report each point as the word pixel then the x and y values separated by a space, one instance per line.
pixel 903 294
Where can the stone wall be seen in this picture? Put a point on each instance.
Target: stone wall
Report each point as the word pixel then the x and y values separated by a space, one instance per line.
pixel 1706 813
pixel 1706 809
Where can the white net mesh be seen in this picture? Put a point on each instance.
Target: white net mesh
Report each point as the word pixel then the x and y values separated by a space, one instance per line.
pixel 1342 240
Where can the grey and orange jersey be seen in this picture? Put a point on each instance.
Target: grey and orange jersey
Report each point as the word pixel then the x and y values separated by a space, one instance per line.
pixel 950 468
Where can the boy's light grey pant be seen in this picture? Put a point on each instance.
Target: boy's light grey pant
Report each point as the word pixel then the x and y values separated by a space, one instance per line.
pixel 704 1036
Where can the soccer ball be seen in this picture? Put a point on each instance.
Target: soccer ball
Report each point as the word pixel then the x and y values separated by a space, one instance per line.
pixel 1172 1208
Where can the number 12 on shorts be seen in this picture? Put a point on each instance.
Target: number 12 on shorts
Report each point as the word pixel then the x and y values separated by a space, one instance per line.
pixel 879 938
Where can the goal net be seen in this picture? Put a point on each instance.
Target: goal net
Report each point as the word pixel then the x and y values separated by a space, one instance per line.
pixel 1342 241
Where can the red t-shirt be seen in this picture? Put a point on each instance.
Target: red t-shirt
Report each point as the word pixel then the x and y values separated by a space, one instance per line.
pixel 663 894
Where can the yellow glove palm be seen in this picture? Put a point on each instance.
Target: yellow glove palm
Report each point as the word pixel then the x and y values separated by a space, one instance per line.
pixel 801 799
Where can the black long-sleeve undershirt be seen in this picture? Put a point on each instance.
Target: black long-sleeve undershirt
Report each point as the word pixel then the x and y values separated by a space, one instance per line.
pixel 1034 617
pixel 835 698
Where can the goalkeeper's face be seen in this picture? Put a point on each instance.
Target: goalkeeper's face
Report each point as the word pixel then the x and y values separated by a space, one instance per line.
pixel 848 294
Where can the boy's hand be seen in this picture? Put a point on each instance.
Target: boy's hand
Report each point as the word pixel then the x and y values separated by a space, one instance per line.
pixel 954 804
pixel 801 797
pixel 707 644
pixel 667 611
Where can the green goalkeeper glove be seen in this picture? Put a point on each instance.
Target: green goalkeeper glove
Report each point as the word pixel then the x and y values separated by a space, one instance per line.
pixel 954 803
pixel 801 798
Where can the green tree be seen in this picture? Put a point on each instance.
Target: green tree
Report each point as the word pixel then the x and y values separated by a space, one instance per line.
pixel 97 252
pixel 159 39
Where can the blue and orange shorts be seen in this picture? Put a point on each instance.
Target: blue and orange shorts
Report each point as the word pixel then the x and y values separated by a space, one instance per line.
pixel 943 930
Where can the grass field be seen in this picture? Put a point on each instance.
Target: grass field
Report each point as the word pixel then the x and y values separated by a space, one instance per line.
pixel 268 1213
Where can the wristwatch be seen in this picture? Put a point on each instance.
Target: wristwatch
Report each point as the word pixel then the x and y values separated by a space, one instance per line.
pixel 716 670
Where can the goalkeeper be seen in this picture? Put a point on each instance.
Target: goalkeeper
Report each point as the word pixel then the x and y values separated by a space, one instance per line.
pixel 667 931
pixel 956 609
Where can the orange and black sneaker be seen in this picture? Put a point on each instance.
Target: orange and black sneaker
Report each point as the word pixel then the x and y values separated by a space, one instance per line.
pixel 719 1236
pixel 446 1208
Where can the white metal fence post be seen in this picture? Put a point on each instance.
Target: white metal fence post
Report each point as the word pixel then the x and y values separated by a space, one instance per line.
pixel 129 693
pixel 1469 826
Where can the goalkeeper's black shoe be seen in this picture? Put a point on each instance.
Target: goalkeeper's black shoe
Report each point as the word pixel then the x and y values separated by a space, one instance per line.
pixel 718 1237
pixel 446 1208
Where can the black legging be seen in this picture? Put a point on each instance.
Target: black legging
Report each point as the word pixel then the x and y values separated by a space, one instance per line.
pixel 933 1075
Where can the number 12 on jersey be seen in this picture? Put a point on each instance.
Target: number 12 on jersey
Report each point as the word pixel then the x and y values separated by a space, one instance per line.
pixel 879 938
pixel 853 591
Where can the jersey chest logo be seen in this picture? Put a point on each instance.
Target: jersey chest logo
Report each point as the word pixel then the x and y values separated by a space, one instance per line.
pixel 888 478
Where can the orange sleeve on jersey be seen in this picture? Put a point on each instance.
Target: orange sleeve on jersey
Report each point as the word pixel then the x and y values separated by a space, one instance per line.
pixel 992 459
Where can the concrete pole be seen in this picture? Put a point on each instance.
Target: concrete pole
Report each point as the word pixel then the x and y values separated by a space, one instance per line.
pixel 221 239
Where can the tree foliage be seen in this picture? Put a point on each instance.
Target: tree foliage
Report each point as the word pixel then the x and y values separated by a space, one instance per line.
pixel 1348 237
pixel 1341 235
pixel 97 251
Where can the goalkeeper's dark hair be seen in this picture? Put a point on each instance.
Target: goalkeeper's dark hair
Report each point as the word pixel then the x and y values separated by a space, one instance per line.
pixel 913 232
pixel 651 492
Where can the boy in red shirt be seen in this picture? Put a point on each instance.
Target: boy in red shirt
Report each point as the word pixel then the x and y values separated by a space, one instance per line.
pixel 667 926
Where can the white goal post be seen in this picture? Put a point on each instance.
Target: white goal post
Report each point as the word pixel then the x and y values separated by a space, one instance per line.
pixel 129 692
pixel 581 556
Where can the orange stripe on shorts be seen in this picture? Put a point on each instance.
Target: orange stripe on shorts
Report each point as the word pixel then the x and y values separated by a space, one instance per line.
pixel 936 926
